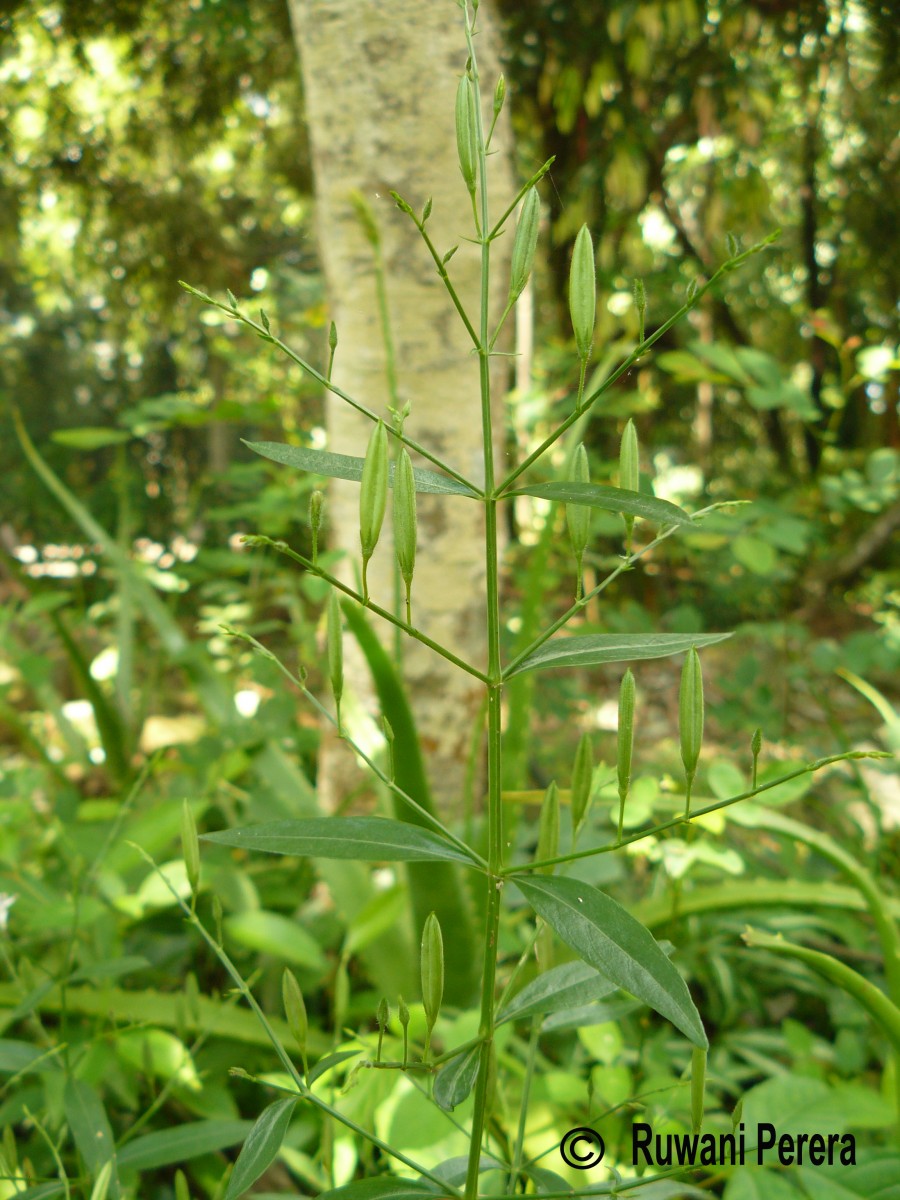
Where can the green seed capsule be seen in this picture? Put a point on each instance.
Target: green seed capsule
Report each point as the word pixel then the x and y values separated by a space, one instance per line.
pixel 582 777
pixel 403 1016
pixel 190 846
pixel 335 647
pixel 548 829
pixel 625 744
pixel 698 1084
pixel 382 1015
pixel 499 95
pixel 405 525
pixel 755 747
pixel 466 137
pixel 295 1012
pixel 373 496
pixel 578 516
pixel 316 505
pixel 640 303
pixel 629 470
pixel 525 243
pixel 583 292
pixel 432 968
pixel 690 719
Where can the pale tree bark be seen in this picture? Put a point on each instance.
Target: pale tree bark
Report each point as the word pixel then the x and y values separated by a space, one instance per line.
pixel 380 84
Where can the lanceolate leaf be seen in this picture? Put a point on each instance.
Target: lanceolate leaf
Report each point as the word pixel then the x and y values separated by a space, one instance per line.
pixel 456 1079
pixel 610 939
pixel 567 986
pixel 262 1145
pixel 596 648
pixel 613 499
pixel 347 466
pixel 382 1187
pixel 90 1126
pixel 366 839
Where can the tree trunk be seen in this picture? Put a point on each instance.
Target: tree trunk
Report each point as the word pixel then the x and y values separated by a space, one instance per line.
pixel 380 84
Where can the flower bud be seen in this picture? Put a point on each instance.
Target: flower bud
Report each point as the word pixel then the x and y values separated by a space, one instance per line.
pixel 373 496
pixel 335 648
pixel 578 516
pixel 405 525
pixel 295 1012
pixel 190 846
pixel 582 778
pixel 583 293
pixel 548 829
pixel 625 743
pixel 432 968
pixel 690 719
pixel 525 243
pixel 403 1016
pixel 466 137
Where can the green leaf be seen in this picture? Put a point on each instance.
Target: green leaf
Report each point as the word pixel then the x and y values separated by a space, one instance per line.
pixel 348 466
pixel 16 1056
pixel 753 553
pixel 569 985
pixel 612 499
pixel 261 1147
pixel 272 933
pixel 168 1146
pixel 610 939
pixel 90 437
pixel 596 648
pixel 90 1126
pixel 366 839
pixel 329 1062
pixel 456 1079
pixel 383 1187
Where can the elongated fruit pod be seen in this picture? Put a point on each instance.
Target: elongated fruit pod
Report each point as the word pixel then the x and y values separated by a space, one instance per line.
pixel 382 1015
pixel 525 243
pixel 499 95
pixel 582 777
pixel 625 744
pixel 548 829
pixel 629 470
pixel 432 968
pixel 373 495
pixel 335 647
pixel 295 1012
pixel 755 747
pixel 316 505
pixel 405 523
pixel 583 293
pixel 690 719
pixel 698 1086
pixel 578 516
pixel 466 138
pixel 190 846
pixel 403 1015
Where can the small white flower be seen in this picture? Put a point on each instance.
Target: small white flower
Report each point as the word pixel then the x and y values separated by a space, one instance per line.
pixel 6 903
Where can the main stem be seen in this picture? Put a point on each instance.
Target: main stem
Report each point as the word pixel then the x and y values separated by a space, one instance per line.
pixel 494 881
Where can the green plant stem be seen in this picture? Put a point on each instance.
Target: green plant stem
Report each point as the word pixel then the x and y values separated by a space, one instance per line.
pixel 493 883
pixel 389 783
pixel 533 1039
pixel 283 548
pixel 445 279
pixel 326 383
pixel 532 182
pixel 526 869
pixel 303 1092
pixel 726 268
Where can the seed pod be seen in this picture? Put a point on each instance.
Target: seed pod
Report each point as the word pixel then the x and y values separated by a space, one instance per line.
pixel 578 516
pixel 432 968
pixel 629 471
pixel 525 243
pixel 335 647
pixel 466 137
pixel 582 777
pixel 382 1013
pixel 403 1016
pixel 690 719
pixel 640 303
pixel 698 1084
pixel 332 347
pixel 755 747
pixel 190 846
pixel 548 829
pixel 625 743
pixel 295 1012
pixel 405 525
pixel 583 293
pixel 499 95
pixel 316 504
pixel 373 496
